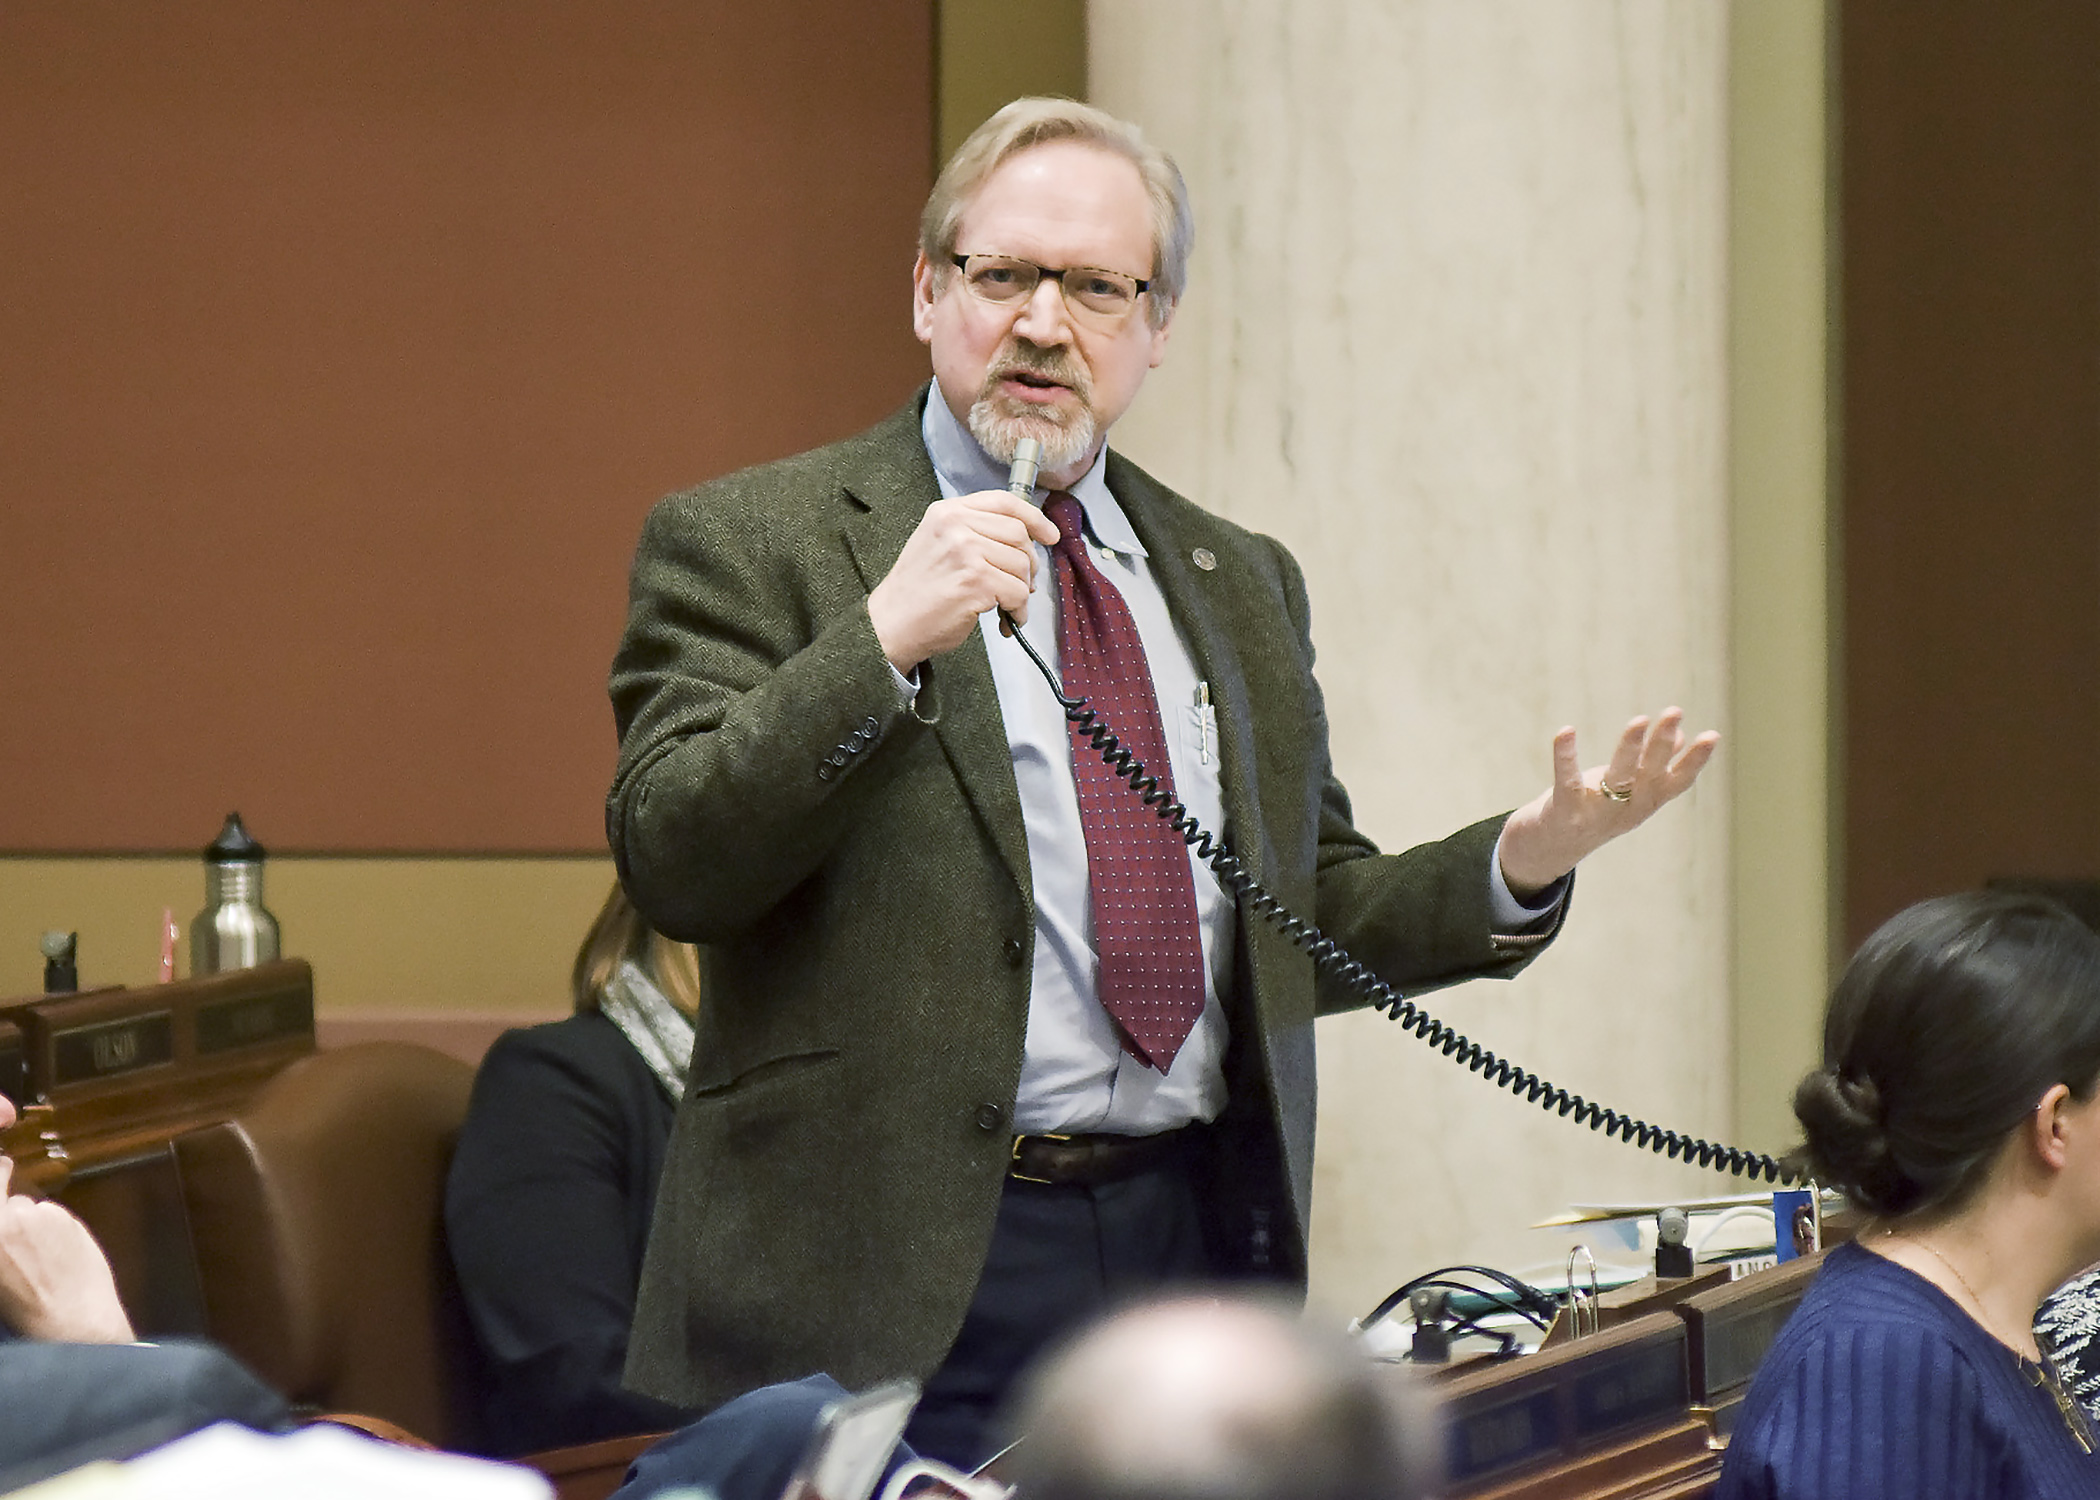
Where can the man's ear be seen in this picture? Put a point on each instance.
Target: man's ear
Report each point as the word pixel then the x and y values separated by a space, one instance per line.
pixel 922 291
pixel 2051 1125
pixel 1159 336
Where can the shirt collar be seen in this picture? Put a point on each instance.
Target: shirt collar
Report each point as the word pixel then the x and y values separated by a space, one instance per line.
pixel 964 468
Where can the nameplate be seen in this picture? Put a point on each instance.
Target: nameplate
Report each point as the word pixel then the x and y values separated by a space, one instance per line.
pixel 1578 1396
pixel 14 1064
pixel 1735 1344
pixel 1642 1384
pixel 1501 1437
pixel 252 1020
pixel 1731 1327
pixel 82 1053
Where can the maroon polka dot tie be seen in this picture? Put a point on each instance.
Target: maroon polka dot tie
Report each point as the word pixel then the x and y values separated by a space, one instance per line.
pixel 1144 898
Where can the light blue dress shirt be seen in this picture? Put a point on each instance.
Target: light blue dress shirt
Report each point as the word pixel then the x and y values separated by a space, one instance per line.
pixel 1075 1076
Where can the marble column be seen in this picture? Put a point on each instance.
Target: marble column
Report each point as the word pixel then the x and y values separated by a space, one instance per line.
pixel 1455 334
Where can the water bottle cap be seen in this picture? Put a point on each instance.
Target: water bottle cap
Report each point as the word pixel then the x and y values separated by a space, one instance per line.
pixel 233 845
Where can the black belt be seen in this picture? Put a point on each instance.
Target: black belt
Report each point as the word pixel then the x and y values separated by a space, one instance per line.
pixel 1088 1160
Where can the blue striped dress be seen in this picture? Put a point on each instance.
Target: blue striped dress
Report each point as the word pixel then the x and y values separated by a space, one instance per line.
pixel 1881 1388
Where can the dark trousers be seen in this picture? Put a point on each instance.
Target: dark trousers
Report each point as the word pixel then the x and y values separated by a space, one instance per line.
pixel 1061 1257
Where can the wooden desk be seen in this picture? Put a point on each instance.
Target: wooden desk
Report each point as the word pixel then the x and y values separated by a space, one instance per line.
pixel 1607 1415
pixel 112 1075
pixel 1651 1294
pixel 1641 1409
pixel 124 1068
pixel 1730 1327
pixel 14 1063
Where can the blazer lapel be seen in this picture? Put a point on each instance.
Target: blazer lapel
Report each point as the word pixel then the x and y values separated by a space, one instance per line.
pixel 1200 601
pixel 890 496
pixel 1194 601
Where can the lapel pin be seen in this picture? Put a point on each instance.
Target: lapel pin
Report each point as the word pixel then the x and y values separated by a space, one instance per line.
pixel 1204 558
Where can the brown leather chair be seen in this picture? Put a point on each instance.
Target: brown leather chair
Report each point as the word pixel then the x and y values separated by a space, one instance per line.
pixel 317 1220
pixel 316 1215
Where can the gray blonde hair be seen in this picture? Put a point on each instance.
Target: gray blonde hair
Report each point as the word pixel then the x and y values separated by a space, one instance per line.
pixel 621 933
pixel 1038 122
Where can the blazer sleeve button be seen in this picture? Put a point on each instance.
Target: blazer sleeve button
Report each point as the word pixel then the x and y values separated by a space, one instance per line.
pixel 990 1117
pixel 1016 950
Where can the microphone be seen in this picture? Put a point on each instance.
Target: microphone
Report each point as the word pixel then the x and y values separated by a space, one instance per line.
pixel 1020 483
pixel 1673 1257
pixel 1432 1340
pixel 1020 479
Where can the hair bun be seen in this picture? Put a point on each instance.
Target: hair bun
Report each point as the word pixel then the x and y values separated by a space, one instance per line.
pixel 1860 1097
pixel 1845 1126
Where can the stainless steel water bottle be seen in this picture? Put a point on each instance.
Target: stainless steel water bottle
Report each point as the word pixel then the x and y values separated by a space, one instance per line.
pixel 235 930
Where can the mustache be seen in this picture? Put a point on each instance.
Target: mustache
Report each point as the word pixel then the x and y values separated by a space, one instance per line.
pixel 1022 356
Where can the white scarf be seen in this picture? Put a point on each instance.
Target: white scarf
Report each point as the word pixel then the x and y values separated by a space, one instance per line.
pixel 648 1019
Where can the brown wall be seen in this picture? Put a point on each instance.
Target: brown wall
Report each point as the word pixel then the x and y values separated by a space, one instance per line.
pixel 1971 438
pixel 992 51
pixel 344 347
pixel 422 947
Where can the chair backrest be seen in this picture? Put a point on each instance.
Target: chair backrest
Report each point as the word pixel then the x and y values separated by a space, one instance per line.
pixel 317 1218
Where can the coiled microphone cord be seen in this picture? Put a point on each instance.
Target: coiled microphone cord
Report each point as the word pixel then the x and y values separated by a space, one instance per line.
pixel 1333 961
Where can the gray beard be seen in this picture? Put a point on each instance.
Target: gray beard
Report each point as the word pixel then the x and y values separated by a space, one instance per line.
pixel 999 433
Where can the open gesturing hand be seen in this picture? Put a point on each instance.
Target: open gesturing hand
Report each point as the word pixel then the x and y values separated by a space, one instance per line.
pixel 1584 810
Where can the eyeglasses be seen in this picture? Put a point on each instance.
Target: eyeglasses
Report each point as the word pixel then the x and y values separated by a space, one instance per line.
pixel 1005 282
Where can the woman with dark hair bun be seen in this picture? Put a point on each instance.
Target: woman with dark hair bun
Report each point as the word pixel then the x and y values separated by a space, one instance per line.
pixel 1956 1105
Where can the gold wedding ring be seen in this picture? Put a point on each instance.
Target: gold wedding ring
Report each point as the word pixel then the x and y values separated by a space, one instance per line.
pixel 1616 793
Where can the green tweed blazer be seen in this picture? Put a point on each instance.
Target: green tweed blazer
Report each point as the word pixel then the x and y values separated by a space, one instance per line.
pixel 856 874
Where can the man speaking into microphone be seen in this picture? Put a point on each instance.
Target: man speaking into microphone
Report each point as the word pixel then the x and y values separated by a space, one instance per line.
pixel 985 1048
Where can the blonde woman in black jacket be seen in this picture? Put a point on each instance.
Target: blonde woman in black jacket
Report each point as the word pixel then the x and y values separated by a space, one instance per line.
pixel 553 1184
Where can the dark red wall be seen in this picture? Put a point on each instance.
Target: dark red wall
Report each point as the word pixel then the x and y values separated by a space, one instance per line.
pixel 344 346
pixel 1971 438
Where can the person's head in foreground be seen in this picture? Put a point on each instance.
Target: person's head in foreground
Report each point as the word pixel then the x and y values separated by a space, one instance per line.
pixel 1219 1399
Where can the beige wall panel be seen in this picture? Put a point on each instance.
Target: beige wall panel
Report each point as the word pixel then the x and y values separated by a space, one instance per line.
pixel 415 939
pixel 1779 380
pixel 1456 335
pixel 988 52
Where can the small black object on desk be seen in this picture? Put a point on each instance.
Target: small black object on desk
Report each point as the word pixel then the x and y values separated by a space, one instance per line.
pixel 1432 1342
pixel 61 971
pixel 1673 1257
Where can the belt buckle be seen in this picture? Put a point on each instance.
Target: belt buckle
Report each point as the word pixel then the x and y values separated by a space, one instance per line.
pixel 1013 1157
